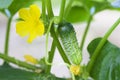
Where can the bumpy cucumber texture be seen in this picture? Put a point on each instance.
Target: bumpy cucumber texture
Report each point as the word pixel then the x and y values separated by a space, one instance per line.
pixel 69 41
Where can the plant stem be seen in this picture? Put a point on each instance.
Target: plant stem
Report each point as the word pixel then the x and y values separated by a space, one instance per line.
pixel 51 55
pixel 47 36
pixel 51 29
pixel 85 33
pixel 49 8
pixel 100 45
pixel 73 77
pixel 17 62
pixel 7 37
pixel 68 7
pixel 62 53
pixel 43 10
pixel 61 14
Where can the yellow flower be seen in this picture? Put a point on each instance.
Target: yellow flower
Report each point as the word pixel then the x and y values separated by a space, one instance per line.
pixel 31 25
pixel 30 59
pixel 75 69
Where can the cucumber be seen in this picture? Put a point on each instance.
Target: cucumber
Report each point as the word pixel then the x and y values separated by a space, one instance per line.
pixel 69 41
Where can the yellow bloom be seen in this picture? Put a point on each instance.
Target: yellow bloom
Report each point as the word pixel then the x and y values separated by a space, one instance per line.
pixel 75 69
pixel 31 24
pixel 30 59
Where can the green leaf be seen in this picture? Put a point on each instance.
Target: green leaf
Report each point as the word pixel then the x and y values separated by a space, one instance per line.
pixel 111 0
pixel 80 10
pixel 5 3
pixel 48 77
pixel 9 73
pixel 98 5
pixel 77 12
pixel 101 5
pixel 107 64
pixel 17 4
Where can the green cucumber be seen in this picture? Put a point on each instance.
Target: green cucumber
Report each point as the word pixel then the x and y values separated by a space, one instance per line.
pixel 69 42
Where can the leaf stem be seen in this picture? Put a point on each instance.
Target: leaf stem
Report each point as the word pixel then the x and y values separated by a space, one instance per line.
pixel 67 9
pixel 47 36
pixel 61 14
pixel 48 57
pixel 51 55
pixel 7 37
pixel 85 33
pixel 57 43
pixel 49 8
pixel 73 77
pixel 17 62
pixel 100 45
pixel 43 10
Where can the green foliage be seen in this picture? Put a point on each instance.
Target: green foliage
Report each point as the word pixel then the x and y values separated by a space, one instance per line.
pixel 80 10
pixel 16 5
pixel 84 75
pixel 48 77
pixel 99 6
pixel 107 64
pixel 77 14
pixel 9 73
pixel 42 63
pixel 5 3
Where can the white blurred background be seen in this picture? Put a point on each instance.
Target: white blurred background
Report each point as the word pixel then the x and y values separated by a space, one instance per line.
pixel 18 46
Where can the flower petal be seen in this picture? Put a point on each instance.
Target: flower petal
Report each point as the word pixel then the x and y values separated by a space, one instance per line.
pixel 75 69
pixel 24 14
pixel 40 29
pixel 30 59
pixel 22 28
pixel 35 12
pixel 31 25
pixel 32 36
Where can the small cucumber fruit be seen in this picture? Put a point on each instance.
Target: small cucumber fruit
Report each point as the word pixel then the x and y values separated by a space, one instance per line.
pixel 69 42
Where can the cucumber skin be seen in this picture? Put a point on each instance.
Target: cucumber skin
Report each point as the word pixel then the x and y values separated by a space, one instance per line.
pixel 69 42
